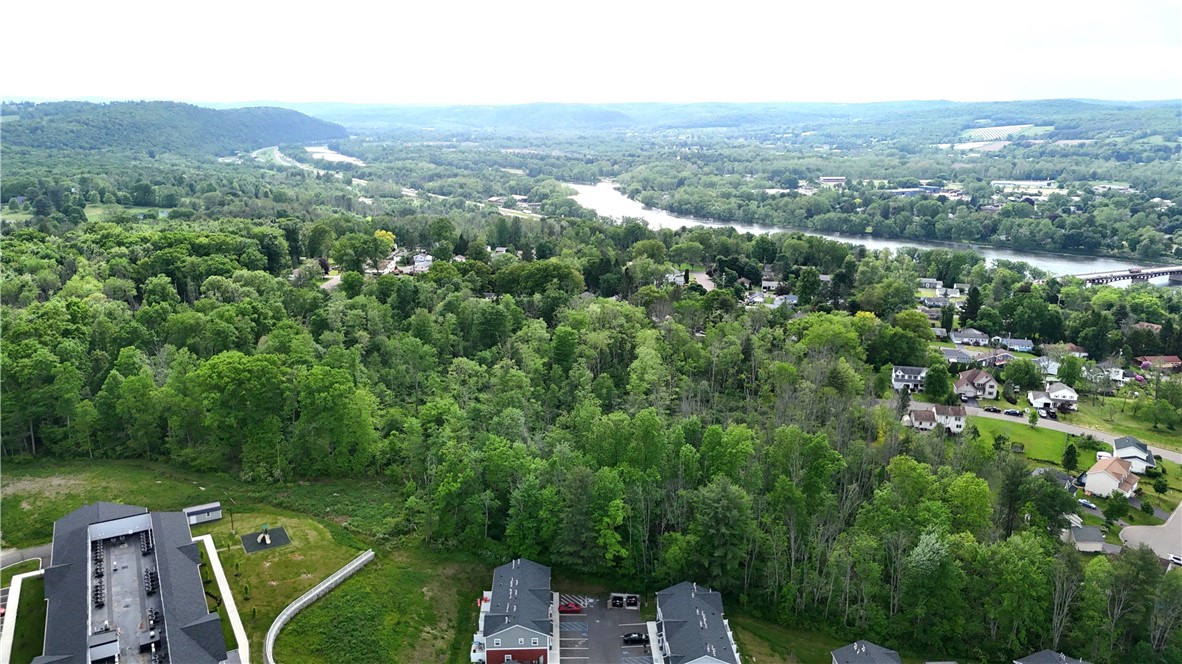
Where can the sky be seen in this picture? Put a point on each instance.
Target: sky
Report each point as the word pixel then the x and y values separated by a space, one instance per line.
pixel 520 51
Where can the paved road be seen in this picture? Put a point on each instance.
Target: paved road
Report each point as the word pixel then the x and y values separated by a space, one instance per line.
pixel 1165 540
pixel 332 282
pixel 10 556
pixel 1056 425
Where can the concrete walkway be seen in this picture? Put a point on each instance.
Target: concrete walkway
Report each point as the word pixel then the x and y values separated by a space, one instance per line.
pixel 1165 540
pixel 227 597
pixel 1056 425
pixel 12 556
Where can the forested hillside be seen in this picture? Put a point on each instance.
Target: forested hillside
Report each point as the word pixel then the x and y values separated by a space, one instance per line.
pixel 157 126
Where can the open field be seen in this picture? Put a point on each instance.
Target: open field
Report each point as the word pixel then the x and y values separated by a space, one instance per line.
pixel 29 631
pixel 762 642
pixel 1115 415
pixel 18 568
pixel 1004 131
pixel 1040 444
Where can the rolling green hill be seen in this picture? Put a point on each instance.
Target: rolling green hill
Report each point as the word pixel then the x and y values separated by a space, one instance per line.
pixel 157 126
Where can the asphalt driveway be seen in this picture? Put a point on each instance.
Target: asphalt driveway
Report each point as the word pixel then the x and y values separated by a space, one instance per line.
pixel 1165 540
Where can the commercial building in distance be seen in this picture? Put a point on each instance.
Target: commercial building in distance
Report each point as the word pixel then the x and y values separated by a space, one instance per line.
pixel 124 585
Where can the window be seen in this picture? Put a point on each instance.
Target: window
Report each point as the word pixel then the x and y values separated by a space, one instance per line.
pixel 496 643
pixel 535 642
pixel 521 641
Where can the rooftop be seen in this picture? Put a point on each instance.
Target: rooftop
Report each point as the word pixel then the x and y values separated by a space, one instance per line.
pixel 693 624
pixel 1049 657
pixel 1086 534
pixel 520 597
pixel 865 652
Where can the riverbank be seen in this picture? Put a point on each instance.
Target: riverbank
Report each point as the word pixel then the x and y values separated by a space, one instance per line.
pixel 606 200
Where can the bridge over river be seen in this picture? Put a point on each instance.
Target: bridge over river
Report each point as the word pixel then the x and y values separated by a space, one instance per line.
pixel 1133 274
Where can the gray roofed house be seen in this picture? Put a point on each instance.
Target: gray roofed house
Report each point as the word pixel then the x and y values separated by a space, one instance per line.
pixel 1135 452
pixel 969 336
pixel 865 652
pixel 94 539
pixel 907 377
pixel 1087 538
pixel 1049 657
pixel 518 606
pixel 691 626
pixel 934 301
pixel 955 355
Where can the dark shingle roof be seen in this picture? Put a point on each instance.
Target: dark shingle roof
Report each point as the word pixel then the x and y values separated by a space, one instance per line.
pixel 520 596
pixel 909 371
pixel 194 634
pixel 1129 441
pixel 1049 657
pixel 692 624
pixel 865 652
pixel 1086 534
pixel 68 611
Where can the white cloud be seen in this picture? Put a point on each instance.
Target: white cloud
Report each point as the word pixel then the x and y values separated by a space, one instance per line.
pixel 615 50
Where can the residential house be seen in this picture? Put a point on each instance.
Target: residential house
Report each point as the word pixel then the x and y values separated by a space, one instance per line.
pixel 1152 327
pixel 1049 657
pixel 785 301
pixel 1048 366
pixel 422 263
pixel 910 378
pixel 926 417
pixel 691 627
pixel 931 312
pixel 675 278
pixel 940 332
pixel 1016 345
pixel 1135 452
pixel 962 287
pixel 956 356
pixel 1087 539
pixel 1160 362
pixel 995 358
pixel 947 292
pixel 516 616
pixel 1077 351
pixel 1109 476
pixel 755 297
pixel 1063 395
pixel 970 337
pixel 926 282
pixel 935 302
pixel 832 180
pixel 864 652
pixel 976 384
pixel 769 284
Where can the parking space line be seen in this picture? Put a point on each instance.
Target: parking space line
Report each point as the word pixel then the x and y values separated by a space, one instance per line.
pixel 632 624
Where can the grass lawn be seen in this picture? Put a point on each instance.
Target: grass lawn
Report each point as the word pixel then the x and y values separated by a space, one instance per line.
pixel 29 631
pixel 1040 444
pixel 762 642
pixel 17 568
pixel 1106 415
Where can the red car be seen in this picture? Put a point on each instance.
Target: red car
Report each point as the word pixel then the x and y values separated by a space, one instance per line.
pixel 569 607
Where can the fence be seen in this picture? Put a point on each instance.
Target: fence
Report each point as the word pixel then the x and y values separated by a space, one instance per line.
pixel 307 598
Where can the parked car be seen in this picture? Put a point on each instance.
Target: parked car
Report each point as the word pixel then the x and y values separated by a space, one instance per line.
pixel 1088 504
pixel 617 602
pixel 992 409
pixel 964 398
pixel 631 600
pixel 1013 412
pixel 635 639
pixel 1052 414
pixel 569 607
pixel 1177 560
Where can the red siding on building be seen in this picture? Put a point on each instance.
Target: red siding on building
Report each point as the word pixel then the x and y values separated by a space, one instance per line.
pixel 516 655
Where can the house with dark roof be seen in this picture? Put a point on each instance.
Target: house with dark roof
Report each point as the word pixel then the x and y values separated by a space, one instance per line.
pixel 1135 452
pixel 935 302
pixel 955 355
pixel 1017 345
pixel 865 652
pixel 1160 362
pixel 1088 539
pixel 910 378
pixel 691 627
pixel 123 583
pixel 1049 657
pixel 516 624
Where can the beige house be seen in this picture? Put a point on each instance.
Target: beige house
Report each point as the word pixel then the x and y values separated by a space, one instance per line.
pixel 1109 476
pixel 976 384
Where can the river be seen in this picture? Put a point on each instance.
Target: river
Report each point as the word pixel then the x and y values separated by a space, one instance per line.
pixel 604 199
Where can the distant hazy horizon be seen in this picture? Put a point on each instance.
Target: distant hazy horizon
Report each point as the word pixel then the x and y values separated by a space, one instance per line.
pixel 453 52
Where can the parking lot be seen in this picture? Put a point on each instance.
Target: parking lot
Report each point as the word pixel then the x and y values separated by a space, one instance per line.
pixel 596 636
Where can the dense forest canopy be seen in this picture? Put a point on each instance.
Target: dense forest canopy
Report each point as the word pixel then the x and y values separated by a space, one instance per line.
pixel 553 386
pixel 159 126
